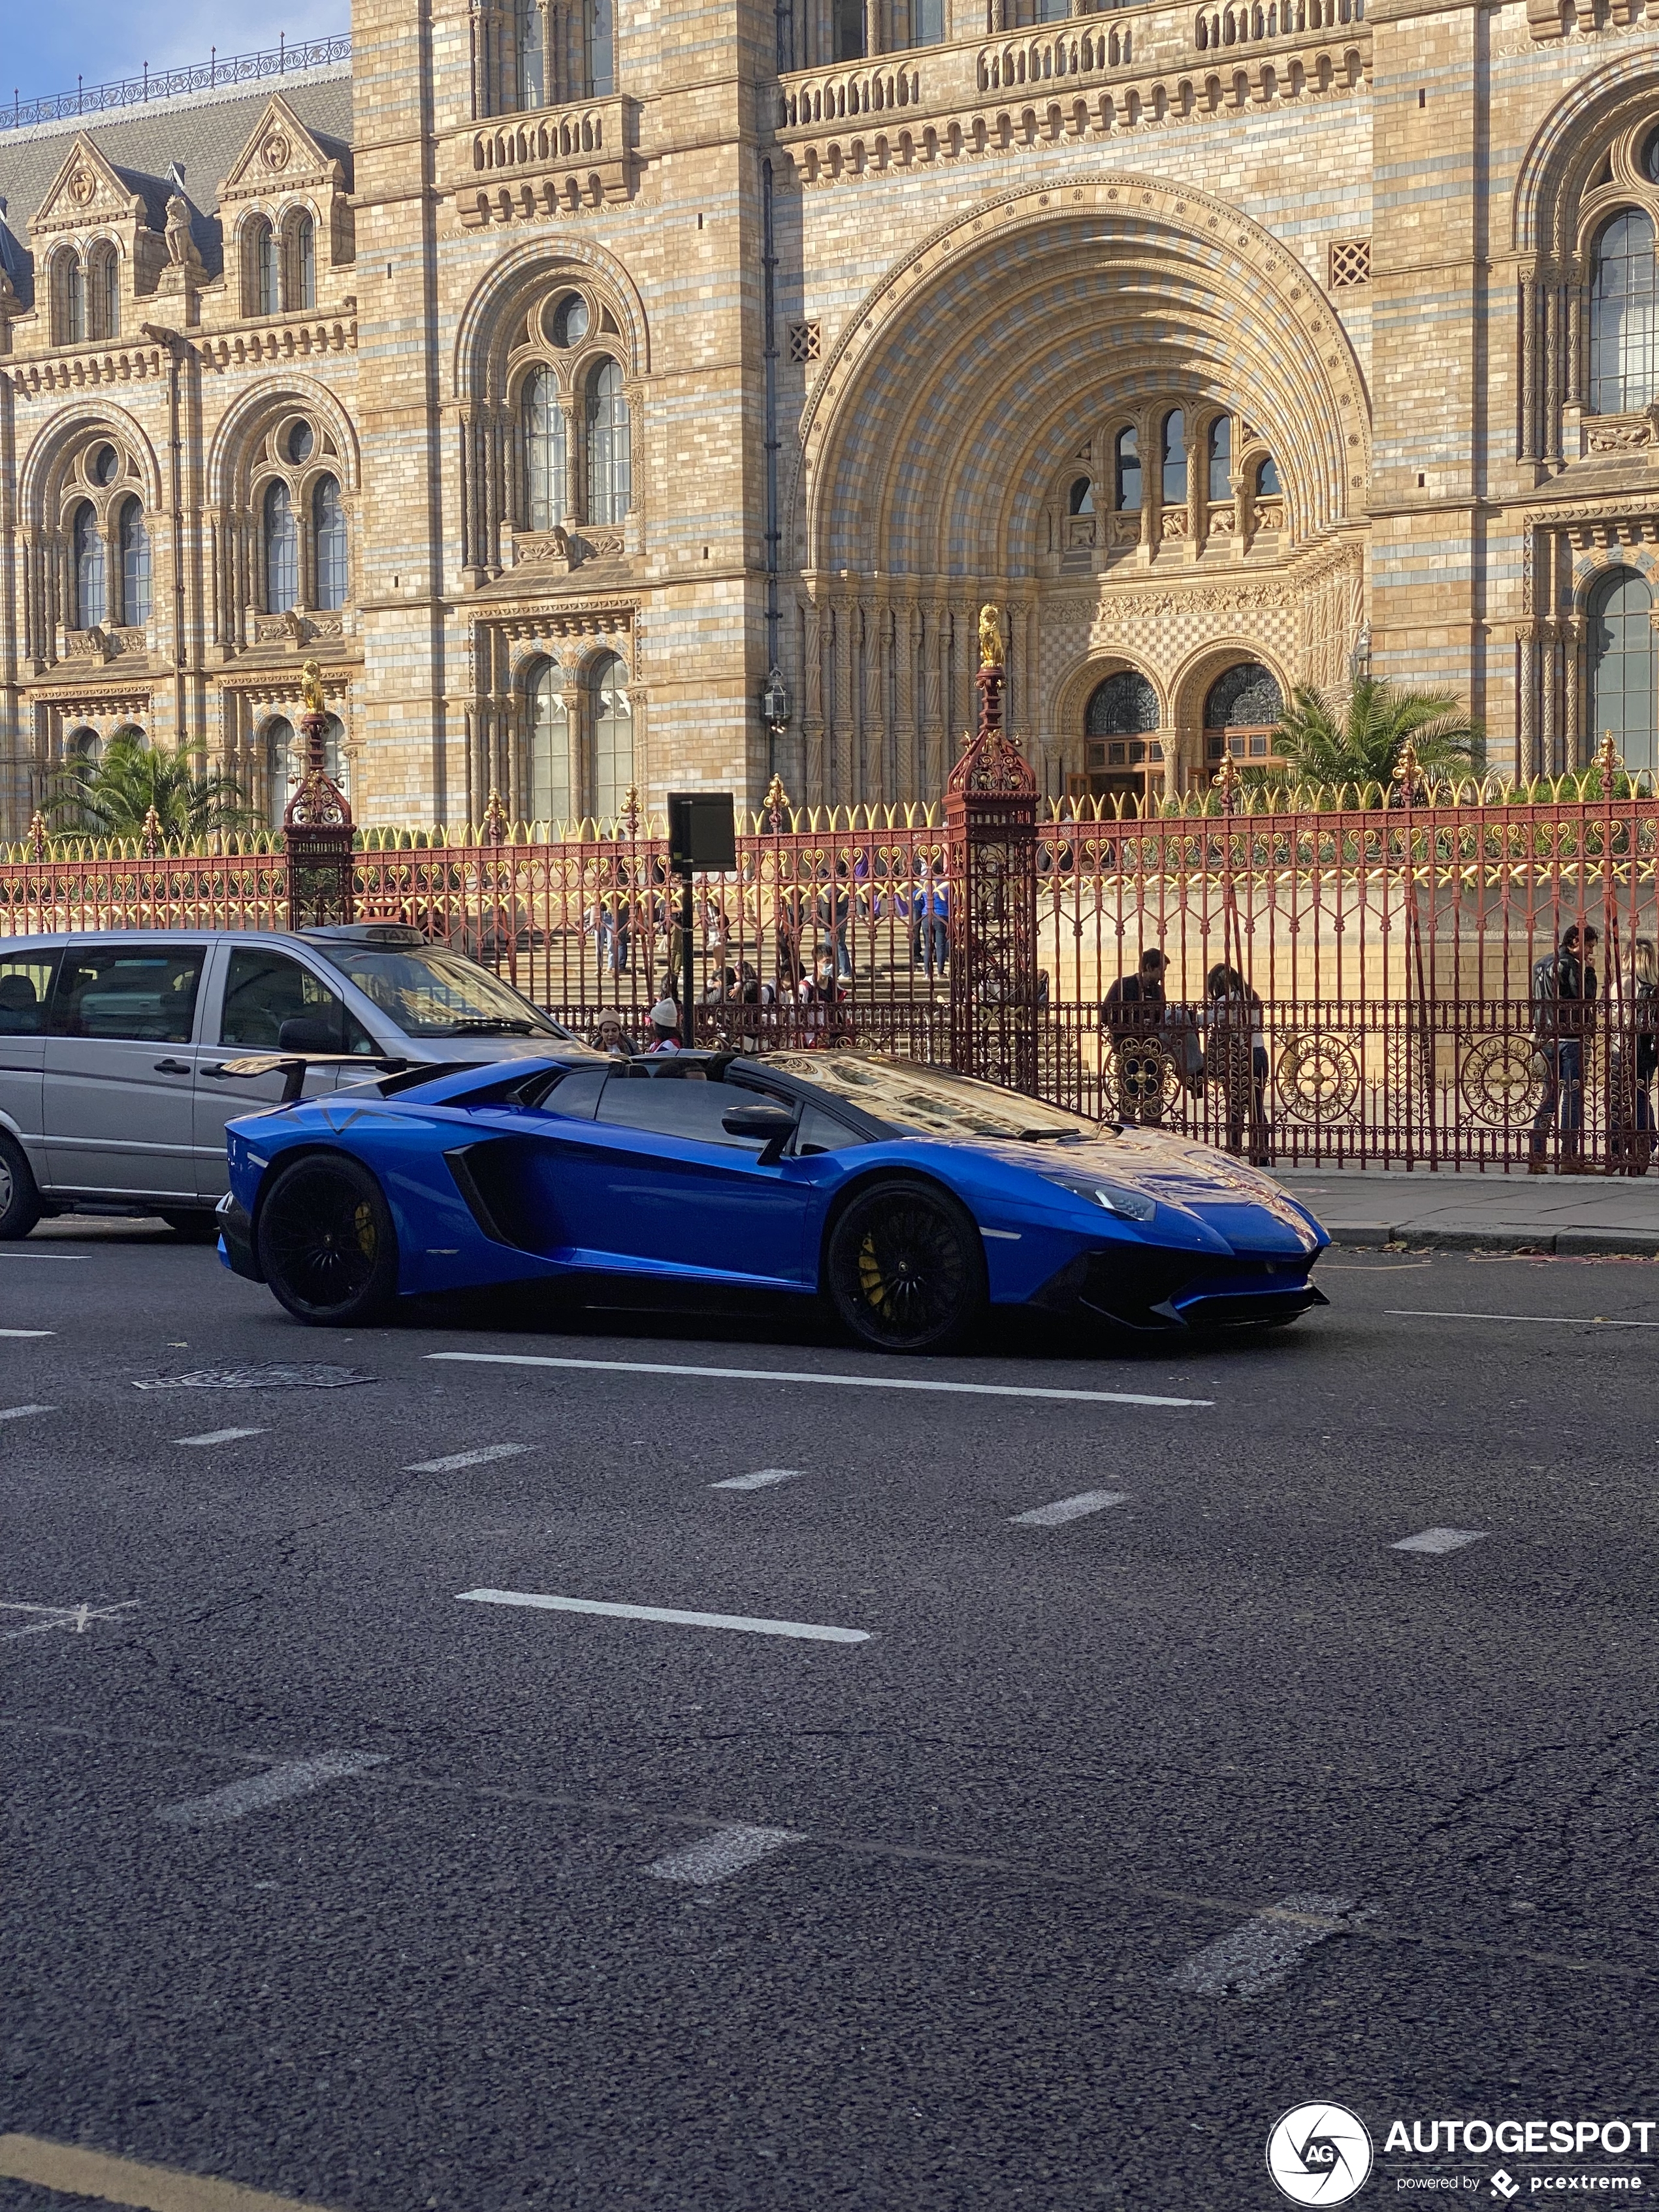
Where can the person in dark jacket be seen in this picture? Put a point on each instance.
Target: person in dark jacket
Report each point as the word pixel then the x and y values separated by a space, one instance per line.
pixel 1133 1015
pixel 1563 1023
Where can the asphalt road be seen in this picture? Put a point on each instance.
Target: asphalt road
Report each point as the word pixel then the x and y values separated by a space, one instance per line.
pixel 326 1879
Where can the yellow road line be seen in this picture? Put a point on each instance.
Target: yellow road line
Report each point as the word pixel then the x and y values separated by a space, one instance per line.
pixel 80 2172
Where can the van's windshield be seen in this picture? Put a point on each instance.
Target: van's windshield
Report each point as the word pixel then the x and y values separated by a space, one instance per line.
pixel 430 991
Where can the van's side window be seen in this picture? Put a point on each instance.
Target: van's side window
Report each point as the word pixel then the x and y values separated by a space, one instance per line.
pixel 265 990
pixel 25 987
pixel 128 991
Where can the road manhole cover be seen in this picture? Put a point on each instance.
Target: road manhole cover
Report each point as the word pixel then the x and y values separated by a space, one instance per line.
pixel 299 1375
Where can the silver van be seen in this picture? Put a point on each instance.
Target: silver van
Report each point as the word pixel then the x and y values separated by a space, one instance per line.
pixel 112 1044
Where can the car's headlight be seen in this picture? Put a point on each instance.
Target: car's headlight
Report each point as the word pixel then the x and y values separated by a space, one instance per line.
pixel 1127 1205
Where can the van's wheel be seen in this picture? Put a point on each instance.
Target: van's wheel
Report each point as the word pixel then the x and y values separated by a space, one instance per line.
pixel 326 1245
pixel 905 1269
pixel 193 1225
pixel 20 1201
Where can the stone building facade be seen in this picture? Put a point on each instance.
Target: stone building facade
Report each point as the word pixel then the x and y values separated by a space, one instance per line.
pixel 554 374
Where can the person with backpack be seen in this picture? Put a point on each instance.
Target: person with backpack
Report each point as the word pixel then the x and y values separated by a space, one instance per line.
pixel 1133 1015
pixel 1563 1024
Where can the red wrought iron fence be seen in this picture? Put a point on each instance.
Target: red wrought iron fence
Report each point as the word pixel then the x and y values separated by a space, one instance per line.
pixel 1350 983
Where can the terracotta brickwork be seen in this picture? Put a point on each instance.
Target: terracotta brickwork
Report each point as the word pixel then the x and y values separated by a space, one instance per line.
pixel 549 398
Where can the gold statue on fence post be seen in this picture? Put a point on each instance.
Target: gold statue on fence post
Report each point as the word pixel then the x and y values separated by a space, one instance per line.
pixel 990 637
pixel 310 688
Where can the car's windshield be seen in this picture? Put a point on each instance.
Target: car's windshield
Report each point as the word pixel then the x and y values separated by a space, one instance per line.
pixel 429 991
pixel 929 1102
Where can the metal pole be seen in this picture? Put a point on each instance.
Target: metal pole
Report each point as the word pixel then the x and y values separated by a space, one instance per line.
pixel 688 1017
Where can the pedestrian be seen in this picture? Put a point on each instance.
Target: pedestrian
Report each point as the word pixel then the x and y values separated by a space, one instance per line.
pixel 1133 1015
pixel 835 910
pixel 1563 1024
pixel 1236 1058
pixel 1635 1061
pixel 609 1034
pixel 665 1027
pixel 931 909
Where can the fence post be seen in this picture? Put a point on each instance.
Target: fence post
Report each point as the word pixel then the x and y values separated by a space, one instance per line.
pixel 990 814
pixel 317 832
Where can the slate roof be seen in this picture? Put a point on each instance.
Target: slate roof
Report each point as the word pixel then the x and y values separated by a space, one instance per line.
pixel 204 133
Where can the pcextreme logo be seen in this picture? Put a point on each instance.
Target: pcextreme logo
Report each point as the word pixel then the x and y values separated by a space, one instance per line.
pixel 1319 2154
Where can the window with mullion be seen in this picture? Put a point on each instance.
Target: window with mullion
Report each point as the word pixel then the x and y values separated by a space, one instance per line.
pixel 91 575
pixel 281 549
pixel 328 524
pixel 1624 354
pixel 135 565
pixel 610 475
pixel 543 426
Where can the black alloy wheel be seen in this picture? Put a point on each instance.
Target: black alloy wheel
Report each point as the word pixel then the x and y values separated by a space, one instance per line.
pixel 904 1269
pixel 326 1245
pixel 20 1201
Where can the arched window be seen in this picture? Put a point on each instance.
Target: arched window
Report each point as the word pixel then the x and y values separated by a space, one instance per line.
pixel 1123 705
pixel 1623 355
pixel 1266 479
pixel 280 766
pixel 1173 490
pixel 1082 498
pixel 301 240
pixel 846 28
pixel 69 302
pixel 1126 473
pixel 610 476
pixel 613 735
pixel 91 581
pixel 282 550
pixel 328 524
pixel 134 540
pixel 103 292
pixel 598 25
pixel 1246 696
pixel 1621 666
pixel 548 782
pixel 261 289
pixel 85 745
pixel 544 452
pixel 1220 444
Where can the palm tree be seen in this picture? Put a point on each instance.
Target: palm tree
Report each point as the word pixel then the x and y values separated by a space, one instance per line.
pixel 113 796
pixel 1332 738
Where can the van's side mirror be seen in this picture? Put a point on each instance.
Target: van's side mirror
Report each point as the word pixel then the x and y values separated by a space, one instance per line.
pixel 773 1125
pixel 304 1033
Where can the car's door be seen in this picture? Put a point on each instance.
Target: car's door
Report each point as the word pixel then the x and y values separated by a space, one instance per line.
pixel 658 1182
pixel 26 979
pixel 120 1066
pixel 252 992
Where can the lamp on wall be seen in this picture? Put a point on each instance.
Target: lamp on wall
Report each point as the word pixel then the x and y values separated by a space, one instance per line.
pixel 775 702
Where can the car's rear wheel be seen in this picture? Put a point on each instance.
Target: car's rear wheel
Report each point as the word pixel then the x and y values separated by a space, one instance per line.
pixel 904 1269
pixel 20 1201
pixel 326 1243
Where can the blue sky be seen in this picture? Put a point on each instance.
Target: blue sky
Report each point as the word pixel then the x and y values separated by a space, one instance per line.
pixel 45 46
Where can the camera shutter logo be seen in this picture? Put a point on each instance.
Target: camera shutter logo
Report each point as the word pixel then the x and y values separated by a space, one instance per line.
pixel 1319 2154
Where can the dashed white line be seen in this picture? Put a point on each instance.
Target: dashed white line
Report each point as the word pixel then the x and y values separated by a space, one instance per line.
pixel 17 1413
pixel 221 1437
pixel 78 1258
pixel 291 1779
pixel 806 1375
pixel 762 1478
pixel 1554 1320
pixel 728 1851
pixel 1069 1509
pixel 465 1459
pixel 810 1630
pixel 27 1332
pixel 1439 1540
pixel 1261 1954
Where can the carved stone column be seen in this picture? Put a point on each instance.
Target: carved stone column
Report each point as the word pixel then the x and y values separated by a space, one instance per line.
pixel 873 745
pixel 841 710
pixel 812 702
pixel 934 619
pixel 906 628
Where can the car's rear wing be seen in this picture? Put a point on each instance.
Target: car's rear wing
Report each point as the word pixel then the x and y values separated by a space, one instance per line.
pixel 295 1066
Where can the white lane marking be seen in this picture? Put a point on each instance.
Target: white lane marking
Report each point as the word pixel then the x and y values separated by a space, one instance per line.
pixel 77 1618
pixel 27 1332
pixel 1555 1320
pixel 465 1459
pixel 291 1779
pixel 1261 1953
pixel 1439 1540
pixel 762 1478
pixel 1069 1509
pixel 16 1413
pixel 221 1437
pixel 812 1631
pixel 726 1851
pixel 792 1374
pixel 79 1258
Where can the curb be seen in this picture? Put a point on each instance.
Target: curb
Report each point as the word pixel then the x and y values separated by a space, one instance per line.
pixel 1372 1236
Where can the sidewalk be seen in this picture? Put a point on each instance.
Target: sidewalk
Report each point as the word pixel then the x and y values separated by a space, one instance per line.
pixel 1488 1213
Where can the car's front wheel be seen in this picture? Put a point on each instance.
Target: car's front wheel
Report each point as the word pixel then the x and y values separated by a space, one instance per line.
pixel 904 1269
pixel 326 1242
pixel 20 1201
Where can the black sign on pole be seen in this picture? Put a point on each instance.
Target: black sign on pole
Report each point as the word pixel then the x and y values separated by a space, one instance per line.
pixel 702 833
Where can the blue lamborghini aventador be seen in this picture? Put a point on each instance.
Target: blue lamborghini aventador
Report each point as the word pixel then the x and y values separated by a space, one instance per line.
pixel 908 1198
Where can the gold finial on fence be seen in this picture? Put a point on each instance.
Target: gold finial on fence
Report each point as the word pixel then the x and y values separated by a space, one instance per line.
pixel 494 825
pixel 775 804
pixel 1407 773
pixel 37 833
pixel 150 836
pixel 1226 781
pixel 630 812
pixel 1611 766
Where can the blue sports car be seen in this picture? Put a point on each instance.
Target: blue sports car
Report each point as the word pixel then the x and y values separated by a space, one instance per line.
pixel 907 1198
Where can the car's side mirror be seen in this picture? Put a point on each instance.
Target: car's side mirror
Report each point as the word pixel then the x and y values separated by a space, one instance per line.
pixel 772 1124
pixel 304 1034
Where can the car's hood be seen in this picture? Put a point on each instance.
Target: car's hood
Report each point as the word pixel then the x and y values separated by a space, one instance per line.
pixel 1238 1202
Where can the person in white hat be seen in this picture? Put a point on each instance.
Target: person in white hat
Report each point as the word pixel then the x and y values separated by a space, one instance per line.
pixel 665 1027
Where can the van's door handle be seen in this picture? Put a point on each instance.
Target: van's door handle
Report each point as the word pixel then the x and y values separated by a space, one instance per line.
pixel 173 1068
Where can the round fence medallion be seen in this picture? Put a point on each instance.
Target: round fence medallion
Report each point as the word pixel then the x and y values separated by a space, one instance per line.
pixel 1501 1085
pixel 1318 1077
